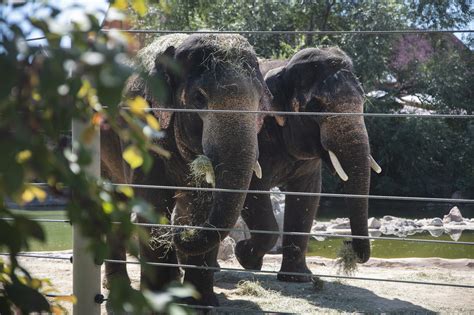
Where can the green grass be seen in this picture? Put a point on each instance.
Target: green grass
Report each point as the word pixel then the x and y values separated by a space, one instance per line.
pixel 58 235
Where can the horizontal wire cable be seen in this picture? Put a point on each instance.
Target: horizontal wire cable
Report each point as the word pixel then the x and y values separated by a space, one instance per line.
pixel 210 268
pixel 41 220
pixel 285 113
pixel 325 235
pixel 352 32
pixel 405 239
pixel 368 32
pixel 39 256
pixel 296 193
pixel 290 193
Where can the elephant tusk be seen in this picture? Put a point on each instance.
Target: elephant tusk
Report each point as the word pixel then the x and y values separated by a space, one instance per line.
pixel 258 170
pixel 337 166
pixel 377 169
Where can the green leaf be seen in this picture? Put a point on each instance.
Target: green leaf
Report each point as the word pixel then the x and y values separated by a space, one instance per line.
pixel 26 298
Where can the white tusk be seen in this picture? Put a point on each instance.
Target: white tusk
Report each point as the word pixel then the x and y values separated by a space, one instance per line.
pixel 337 166
pixel 377 169
pixel 258 170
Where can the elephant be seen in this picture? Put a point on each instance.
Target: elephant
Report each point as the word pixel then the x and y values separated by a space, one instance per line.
pixel 293 148
pixel 200 71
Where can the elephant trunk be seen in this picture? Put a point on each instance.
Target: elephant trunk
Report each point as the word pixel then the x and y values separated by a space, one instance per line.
pixel 350 156
pixel 231 144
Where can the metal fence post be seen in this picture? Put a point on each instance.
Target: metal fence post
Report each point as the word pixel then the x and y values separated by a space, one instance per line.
pixel 85 272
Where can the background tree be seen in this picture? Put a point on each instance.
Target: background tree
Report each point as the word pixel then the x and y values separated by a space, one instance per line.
pixel 440 73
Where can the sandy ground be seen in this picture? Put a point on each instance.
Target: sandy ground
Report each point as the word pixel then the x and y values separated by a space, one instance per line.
pixel 346 295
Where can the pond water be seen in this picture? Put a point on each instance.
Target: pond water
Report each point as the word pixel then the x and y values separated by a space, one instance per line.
pixel 59 235
pixel 332 208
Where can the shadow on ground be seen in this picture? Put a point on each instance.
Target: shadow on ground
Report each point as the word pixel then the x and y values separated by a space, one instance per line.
pixel 334 296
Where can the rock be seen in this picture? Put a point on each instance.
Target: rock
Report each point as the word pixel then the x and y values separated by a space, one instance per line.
pixel 339 226
pixel 375 233
pixel 226 249
pixel 454 215
pixel 238 235
pixel 318 227
pixel 458 223
pixel 388 218
pixel 436 222
pixel 374 223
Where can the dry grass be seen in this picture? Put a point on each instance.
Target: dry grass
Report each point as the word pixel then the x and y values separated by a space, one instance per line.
pixel 147 55
pixel 347 259
pixel 252 288
pixel 202 171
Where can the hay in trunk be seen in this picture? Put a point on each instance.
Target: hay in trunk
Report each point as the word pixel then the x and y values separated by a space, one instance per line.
pixel 347 259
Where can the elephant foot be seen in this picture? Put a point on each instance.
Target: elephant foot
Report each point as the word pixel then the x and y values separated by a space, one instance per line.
pixel 306 275
pixel 111 277
pixel 206 299
pixel 247 256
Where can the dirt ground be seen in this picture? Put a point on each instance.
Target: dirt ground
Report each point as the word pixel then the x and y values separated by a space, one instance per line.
pixel 263 293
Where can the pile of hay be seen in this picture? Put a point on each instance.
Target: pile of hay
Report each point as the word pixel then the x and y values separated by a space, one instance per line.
pixel 229 49
pixel 347 259
pixel 147 55
pixel 252 288
pixel 202 171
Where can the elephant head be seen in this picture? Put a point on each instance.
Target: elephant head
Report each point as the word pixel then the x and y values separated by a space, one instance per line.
pixel 322 80
pixel 216 72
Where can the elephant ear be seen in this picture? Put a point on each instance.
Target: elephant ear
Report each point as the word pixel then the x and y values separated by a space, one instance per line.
pixel 161 85
pixel 275 83
pixel 265 103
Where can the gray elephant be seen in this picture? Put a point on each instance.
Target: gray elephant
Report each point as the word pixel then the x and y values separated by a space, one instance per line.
pixel 292 149
pixel 198 72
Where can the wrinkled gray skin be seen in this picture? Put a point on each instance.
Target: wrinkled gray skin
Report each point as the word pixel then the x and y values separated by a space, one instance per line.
pixel 203 72
pixel 292 149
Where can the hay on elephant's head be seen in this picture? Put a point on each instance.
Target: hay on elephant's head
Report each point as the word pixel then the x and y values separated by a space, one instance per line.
pixel 347 259
pixel 147 55
pixel 231 49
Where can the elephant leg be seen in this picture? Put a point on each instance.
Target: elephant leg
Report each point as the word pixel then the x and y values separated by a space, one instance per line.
pixel 202 280
pixel 258 215
pixel 159 249
pixel 116 244
pixel 299 215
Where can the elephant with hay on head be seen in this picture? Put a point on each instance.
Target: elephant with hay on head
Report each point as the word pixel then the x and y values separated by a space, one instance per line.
pixel 215 72
pixel 293 149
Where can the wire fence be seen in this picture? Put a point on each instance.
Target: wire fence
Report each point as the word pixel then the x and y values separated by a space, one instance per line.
pixel 282 113
pixel 292 193
pixel 253 271
pixel 286 193
pixel 253 231
pixel 276 32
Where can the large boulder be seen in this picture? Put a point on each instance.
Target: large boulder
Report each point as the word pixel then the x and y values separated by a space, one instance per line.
pixel 226 249
pixel 436 222
pixel 373 223
pixel 453 216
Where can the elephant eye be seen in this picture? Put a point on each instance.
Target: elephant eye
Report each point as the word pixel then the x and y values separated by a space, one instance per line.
pixel 200 99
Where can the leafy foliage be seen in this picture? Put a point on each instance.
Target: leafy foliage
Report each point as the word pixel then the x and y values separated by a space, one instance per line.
pixel 43 89
pixel 436 66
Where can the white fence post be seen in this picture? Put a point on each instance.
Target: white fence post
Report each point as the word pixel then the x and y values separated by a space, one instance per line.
pixel 85 272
